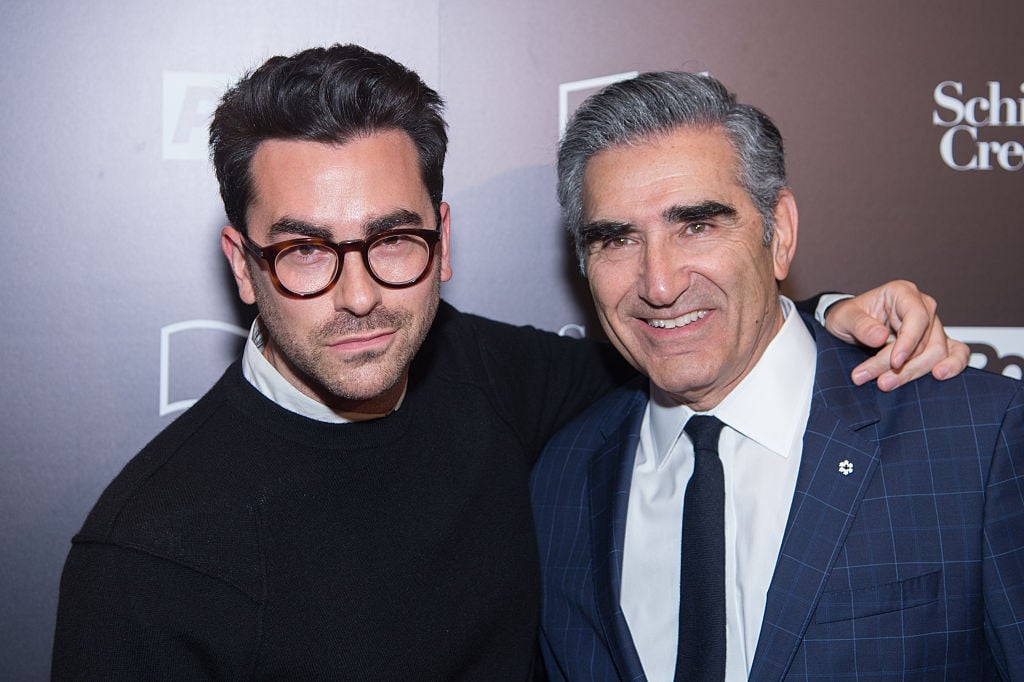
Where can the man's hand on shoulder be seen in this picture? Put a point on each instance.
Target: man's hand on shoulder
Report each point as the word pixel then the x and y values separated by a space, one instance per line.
pixel 900 320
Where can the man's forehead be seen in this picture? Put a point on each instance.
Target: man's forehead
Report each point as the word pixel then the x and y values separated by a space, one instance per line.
pixel 683 143
pixel 686 166
pixel 329 184
pixel 363 150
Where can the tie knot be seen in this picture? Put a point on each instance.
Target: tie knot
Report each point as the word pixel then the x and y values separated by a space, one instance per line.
pixel 704 430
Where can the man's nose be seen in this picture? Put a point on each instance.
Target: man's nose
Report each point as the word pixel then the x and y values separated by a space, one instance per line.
pixel 665 274
pixel 356 291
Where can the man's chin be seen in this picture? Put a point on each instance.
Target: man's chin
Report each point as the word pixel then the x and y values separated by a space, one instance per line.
pixel 365 357
pixel 363 383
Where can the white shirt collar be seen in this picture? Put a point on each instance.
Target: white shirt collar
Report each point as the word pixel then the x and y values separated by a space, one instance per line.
pixel 761 405
pixel 264 376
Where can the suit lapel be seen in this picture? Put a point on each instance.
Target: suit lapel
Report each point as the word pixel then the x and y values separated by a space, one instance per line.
pixel 835 469
pixel 610 474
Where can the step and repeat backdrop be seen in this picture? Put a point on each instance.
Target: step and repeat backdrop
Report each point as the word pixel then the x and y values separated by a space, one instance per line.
pixel 904 125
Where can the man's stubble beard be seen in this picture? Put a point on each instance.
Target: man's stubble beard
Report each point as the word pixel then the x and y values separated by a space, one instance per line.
pixel 310 361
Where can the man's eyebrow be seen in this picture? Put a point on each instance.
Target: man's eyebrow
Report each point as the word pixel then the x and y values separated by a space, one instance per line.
pixel 293 227
pixel 389 221
pixel 599 230
pixel 701 211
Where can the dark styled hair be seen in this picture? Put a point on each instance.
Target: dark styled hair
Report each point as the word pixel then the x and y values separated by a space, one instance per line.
pixel 328 95
pixel 658 103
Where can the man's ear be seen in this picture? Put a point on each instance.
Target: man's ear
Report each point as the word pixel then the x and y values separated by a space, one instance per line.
pixel 446 263
pixel 234 251
pixel 784 237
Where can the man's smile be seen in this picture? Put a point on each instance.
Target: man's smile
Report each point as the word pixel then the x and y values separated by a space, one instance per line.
pixel 680 321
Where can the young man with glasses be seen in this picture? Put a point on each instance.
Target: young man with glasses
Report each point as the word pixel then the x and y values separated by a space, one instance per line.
pixel 350 500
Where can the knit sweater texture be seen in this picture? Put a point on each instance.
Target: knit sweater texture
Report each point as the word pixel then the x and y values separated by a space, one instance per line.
pixel 248 542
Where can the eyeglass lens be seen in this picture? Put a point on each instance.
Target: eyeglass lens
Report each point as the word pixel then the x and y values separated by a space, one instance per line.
pixel 393 259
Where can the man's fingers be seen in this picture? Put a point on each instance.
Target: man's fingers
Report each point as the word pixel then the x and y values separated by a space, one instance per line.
pixel 914 327
pixel 957 357
pixel 873 367
pixel 942 356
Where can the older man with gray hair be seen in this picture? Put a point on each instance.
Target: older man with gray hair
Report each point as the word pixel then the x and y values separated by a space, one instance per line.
pixel 747 509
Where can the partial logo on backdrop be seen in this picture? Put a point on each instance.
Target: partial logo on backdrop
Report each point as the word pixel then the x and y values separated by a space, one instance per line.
pixel 572 94
pixel 573 331
pixel 193 355
pixel 984 125
pixel 995 349
pixel 189 100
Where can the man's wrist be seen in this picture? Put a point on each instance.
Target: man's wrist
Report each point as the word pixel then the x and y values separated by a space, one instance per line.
pixel 826 301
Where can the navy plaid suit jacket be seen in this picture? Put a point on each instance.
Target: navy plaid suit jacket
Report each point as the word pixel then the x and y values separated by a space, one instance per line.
pixel 910 567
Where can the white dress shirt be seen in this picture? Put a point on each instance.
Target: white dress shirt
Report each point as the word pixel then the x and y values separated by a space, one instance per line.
pixel 765 417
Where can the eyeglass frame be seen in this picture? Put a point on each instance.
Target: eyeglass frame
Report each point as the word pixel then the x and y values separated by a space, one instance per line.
pixel 270 252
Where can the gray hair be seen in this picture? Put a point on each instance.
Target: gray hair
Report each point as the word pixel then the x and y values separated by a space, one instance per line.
pixel 658 103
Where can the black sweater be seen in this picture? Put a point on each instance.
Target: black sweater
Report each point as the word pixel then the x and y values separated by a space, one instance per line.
pixel 248 542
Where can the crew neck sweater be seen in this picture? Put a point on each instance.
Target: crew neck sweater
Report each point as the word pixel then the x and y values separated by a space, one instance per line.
pixel 249 542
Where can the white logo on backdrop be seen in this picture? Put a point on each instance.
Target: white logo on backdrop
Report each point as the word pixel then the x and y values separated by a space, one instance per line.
pixel 996 349
pixel 573 331
pixel 566 89
pixel 189 99
pixel 964 117
pixel 166 334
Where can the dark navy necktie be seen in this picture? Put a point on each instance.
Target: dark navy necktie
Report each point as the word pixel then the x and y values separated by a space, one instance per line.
pixel 701 652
